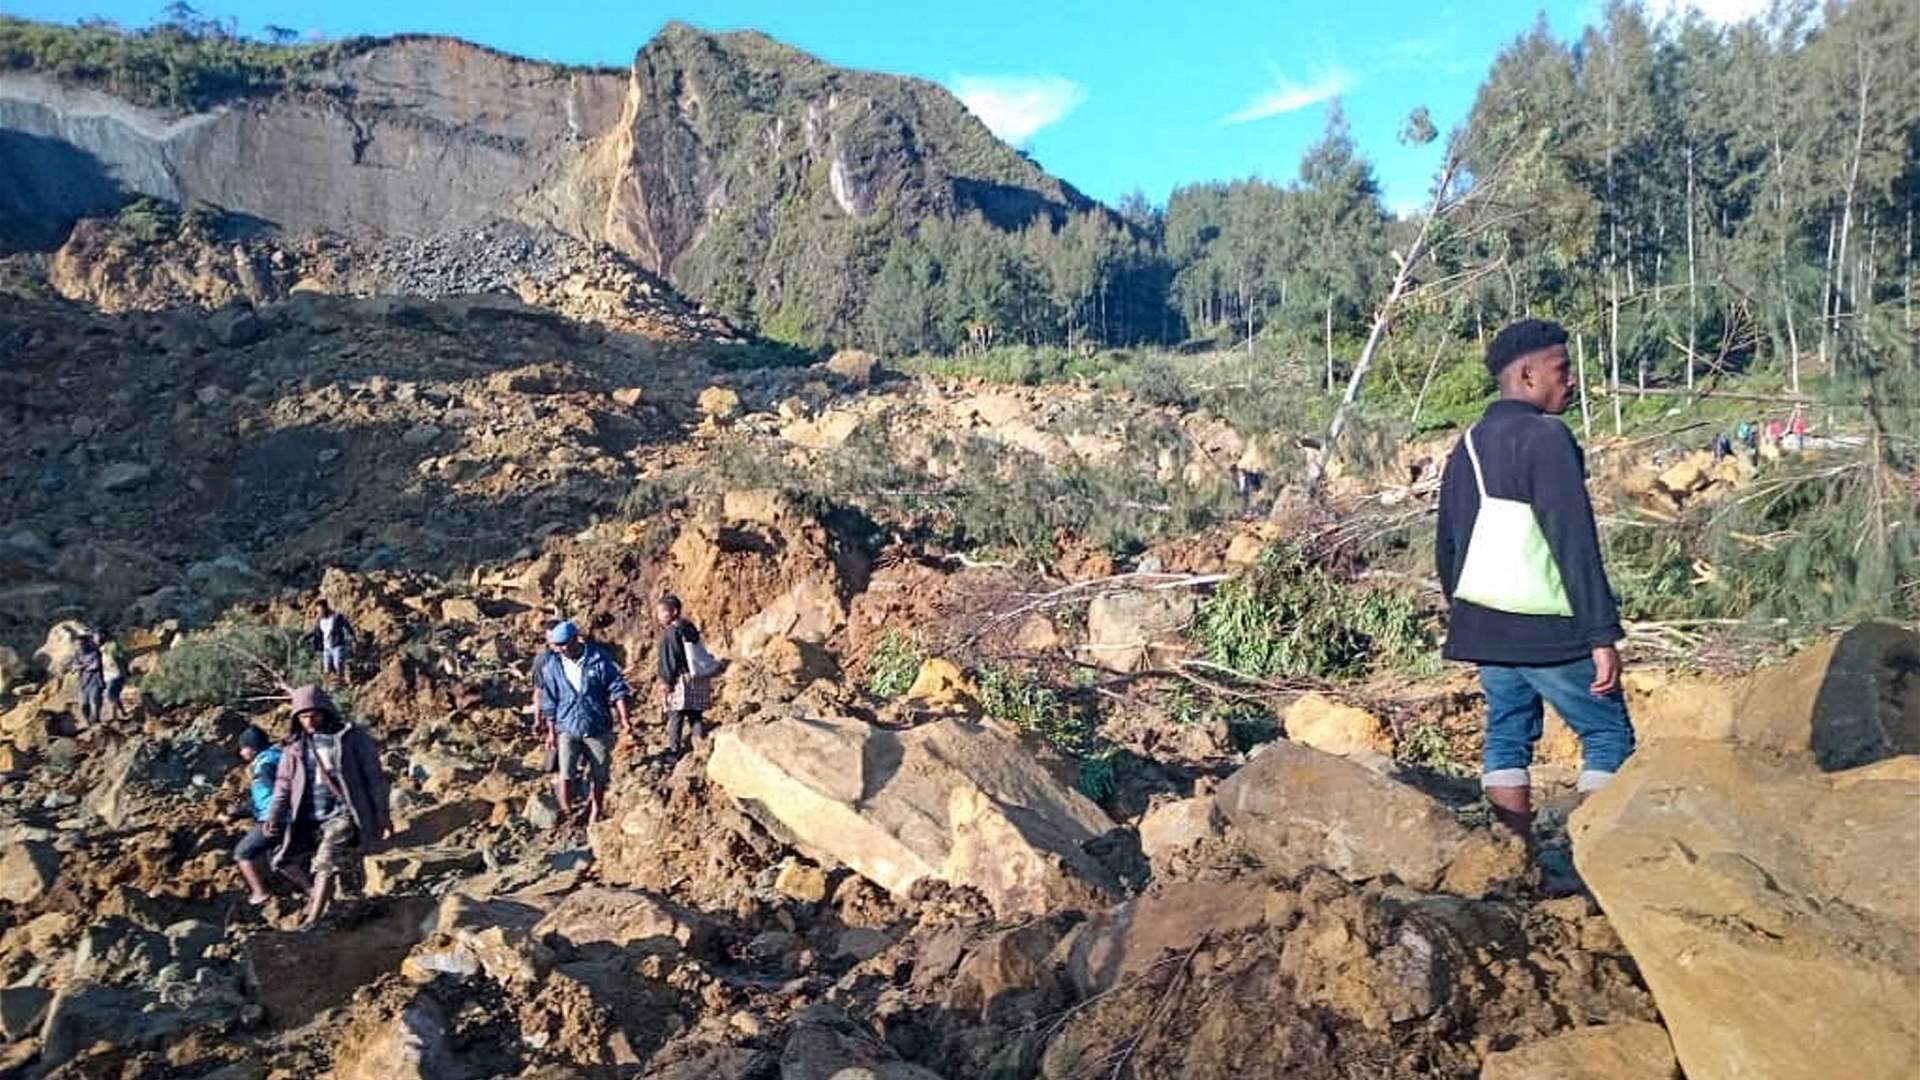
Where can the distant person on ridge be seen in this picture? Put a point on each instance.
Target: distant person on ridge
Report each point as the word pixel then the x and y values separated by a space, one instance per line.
pixel 333 636
pixel 113 672
pixel 685 692
pixel 1518 557
pixel 329 793
pixel 581 691
pixel 87 663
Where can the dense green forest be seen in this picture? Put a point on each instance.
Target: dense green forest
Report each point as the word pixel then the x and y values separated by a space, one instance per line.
pixel 1694 197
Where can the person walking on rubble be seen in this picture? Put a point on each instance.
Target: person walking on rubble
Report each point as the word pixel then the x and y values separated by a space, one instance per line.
pixel 113 674
pixel 684 670
pixel 262 759
pixel 329 795
pixel 88 663
pixel 580 692
pixel 1518 556
pixel 333 635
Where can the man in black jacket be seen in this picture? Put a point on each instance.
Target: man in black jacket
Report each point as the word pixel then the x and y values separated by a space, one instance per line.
pixel 1568 655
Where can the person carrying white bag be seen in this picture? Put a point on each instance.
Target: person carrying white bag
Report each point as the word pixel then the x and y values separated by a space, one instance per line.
pixel 685 671
pixel 1518 556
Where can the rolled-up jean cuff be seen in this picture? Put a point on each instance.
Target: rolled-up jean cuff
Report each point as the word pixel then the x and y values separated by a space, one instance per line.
pixel 1592 780
pixel 1506 778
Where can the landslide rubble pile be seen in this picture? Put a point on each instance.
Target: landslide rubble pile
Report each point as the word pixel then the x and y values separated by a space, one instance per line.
pixel 846 880
pixel 907 887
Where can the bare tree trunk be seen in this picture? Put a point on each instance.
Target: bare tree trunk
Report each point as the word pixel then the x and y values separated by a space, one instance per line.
pixel 1864 65
pixel 1613 321
pixel 1441 205
pixel 1829 298
pixel 1906 275
pixel 1586 414
pixel 1793 338
pixel 1693 303
pixel 1616 388
pixel 1433 365
pixel 1329 341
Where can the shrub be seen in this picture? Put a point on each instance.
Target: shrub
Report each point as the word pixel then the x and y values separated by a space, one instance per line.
pixel 148 220
pixel 231 663
pixel 173 65
pixel 1287 616
pixel 1031 707
pixel 894 664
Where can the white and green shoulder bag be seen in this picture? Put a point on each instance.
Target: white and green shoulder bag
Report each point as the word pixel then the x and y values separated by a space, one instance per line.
pixel 1509 566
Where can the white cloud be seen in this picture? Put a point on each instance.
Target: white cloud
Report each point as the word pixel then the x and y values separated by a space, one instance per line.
pixel 1284 95
pixel 1720 11
pixel 1014 107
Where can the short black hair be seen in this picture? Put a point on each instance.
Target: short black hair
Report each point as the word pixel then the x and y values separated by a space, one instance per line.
pixel 1516 340
pixel 254 739
pixel 671 603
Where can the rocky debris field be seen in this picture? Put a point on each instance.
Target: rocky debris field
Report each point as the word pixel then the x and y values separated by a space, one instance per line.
pixel 118 266
pixel 841 885
pixel 883 863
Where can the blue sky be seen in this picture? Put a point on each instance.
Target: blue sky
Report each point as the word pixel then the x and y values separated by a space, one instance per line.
pixel 1110 96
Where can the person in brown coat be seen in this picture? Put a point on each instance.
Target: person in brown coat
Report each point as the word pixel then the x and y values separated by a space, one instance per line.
pixel 329 795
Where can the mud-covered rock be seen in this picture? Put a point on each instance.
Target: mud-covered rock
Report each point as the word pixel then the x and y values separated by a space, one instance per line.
pixel 949 801
pixel 27 871
pixel 1325 724
pixel 826 1044
pixel 1297 807
pixel 1174 826
pixel 623 919
pixel 1127 629
pixel 1773 909
pixel 86 1014
pixel 412 1043
pixel 1133 937
pixel 1629 1050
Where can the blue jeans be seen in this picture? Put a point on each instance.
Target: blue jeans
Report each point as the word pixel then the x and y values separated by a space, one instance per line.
pixel 1514 720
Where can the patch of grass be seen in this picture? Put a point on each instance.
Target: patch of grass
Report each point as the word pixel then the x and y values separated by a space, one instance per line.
pixel 894 664
pixel 1288 616
pixel 1030 706
pixel 1424 744
pixel 1098 771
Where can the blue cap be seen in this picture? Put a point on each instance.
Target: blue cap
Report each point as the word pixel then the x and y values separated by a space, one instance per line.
pixel 563 632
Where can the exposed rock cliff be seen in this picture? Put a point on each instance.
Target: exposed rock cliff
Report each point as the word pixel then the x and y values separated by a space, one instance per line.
pixel 749 174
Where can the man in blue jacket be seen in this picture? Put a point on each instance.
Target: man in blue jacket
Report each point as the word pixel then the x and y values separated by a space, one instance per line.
pixel 580 691
pixel 1565 654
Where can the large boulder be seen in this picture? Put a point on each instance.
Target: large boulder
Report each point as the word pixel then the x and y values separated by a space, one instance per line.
pixel 1627 1050
pixel 1774 910
pixel 753 579
pixel 1852 699
pixel 128 1018
pixel 493 937
pixel 949 801
pixel 1297 807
